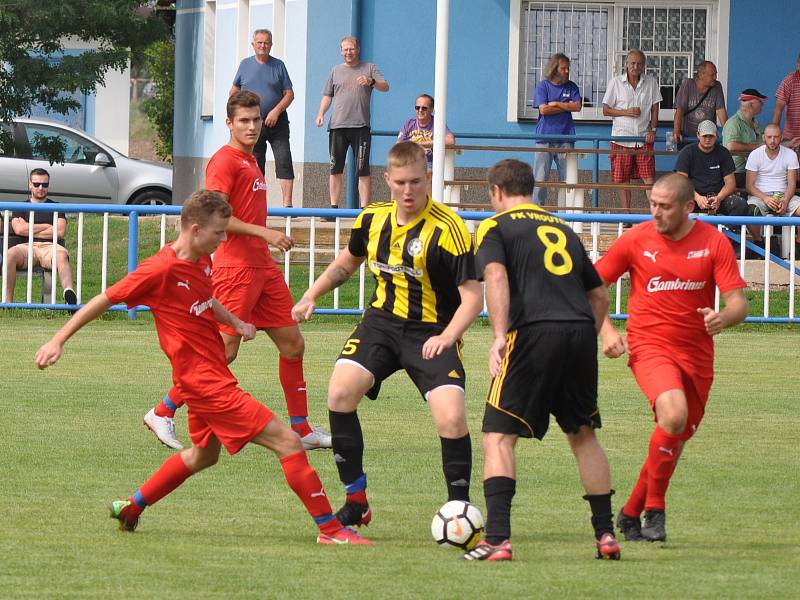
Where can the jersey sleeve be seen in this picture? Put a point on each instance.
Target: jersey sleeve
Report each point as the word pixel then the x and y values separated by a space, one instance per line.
pixel 540 95
pixel 327 89
pixel 220 176
pixel 616 261
pixel 286 81
pixel 591 279
pixel 719 96
pixel 237 79
pixel 359 235
pixel 141 285
pixel 455 246
pixel 682 97
pixel 727 165
pixel 683 163
pixel 726 270
pixel 375 73
pixel 405 131
pixel 489 247
pixel 783 91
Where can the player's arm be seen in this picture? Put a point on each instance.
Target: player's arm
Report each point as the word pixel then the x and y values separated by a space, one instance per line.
pixel 339 271
pixel 614 343
pixel 50 352
pixel 465 315
pixel 598 300
pixel 271 236
pixel 734 312
pixel 498 301
pixel 324 105
pixel 224 316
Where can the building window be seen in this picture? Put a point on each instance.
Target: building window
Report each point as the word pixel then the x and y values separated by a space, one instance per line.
pixel 209 43
pixel 596 36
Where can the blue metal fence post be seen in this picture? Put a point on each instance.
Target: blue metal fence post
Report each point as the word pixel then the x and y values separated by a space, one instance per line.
pixel 595 173
pixel 351 200
pixel 133 249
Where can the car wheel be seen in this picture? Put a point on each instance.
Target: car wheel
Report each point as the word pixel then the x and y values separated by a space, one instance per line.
pixel 154 197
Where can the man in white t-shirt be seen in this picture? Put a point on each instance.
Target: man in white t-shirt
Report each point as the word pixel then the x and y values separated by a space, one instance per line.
pixel 772 176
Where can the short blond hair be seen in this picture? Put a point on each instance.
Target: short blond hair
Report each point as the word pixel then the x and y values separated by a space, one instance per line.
pixel 403 154
pixel 201 205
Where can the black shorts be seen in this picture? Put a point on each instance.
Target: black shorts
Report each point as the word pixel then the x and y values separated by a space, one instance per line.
pixel 357 138
pixel 549 368
pixel 278 138
pixel 383 344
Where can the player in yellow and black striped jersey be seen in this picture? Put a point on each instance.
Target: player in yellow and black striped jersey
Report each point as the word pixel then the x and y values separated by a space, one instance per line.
pixel 426 296
pixel 546 304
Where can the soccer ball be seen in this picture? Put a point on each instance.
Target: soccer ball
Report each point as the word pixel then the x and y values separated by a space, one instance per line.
pixel 458 524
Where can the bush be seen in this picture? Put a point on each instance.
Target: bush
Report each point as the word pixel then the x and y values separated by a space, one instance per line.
pixel 160 61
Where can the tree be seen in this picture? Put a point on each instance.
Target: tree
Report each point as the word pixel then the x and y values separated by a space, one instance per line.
pixel 34 69
pixel 160 60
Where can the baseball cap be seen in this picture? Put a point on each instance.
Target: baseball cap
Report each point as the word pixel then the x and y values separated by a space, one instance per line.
pixel 707 128
pixel 752 94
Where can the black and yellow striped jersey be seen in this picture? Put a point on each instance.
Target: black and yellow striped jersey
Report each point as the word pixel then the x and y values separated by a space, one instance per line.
pixel 548 269
pixel 418 266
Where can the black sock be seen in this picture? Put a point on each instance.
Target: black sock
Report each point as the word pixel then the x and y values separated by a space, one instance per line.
pixel 498 491
pixel 601 513
pixel 457 466
pixel 348 445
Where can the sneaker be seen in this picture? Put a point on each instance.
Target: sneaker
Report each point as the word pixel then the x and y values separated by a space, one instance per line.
pixel 163 428
pixel 485 551
pixel 354 513
pixel 331 219
pixel 630 528
pixel 316 440
pixel 655 526
pixel 344 536
pixel 119 511
pixel 70 297
pixel 607 547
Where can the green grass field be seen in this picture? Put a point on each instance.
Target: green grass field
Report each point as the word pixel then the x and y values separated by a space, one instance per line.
pixel 72 440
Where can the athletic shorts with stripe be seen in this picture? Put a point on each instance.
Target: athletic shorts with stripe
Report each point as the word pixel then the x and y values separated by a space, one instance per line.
pixel 257 296
pixel 549 368
pixel 659 370
pixel 383 343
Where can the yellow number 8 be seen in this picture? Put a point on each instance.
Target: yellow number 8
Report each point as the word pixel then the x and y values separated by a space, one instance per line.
pixel 553 248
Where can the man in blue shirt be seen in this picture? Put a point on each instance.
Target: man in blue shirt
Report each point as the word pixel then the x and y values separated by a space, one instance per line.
pixel 267 76
pixel 556 98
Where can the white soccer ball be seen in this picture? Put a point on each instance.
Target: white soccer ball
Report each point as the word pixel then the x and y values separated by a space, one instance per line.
pixel 458 524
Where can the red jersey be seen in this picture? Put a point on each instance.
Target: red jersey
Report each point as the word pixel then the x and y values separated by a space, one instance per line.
pixel 670 280
pixel 179 293
pixel 236 174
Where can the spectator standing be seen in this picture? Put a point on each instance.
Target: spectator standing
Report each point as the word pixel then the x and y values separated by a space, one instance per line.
pixel 42 247
pixel 675 264
pixel 772 176
pixel 556 98
pixel 632 100
pixel 699 99
pixel 267 76
pixel 350 84
pixel 742 133
pixel 787 97
pixel 419 128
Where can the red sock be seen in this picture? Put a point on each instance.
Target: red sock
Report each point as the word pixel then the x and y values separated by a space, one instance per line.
pixel 290 372
pixel 304 481
pixel 169 404
pixel 169 476
pixel 360 497
pixel 635 504
pixel 665 449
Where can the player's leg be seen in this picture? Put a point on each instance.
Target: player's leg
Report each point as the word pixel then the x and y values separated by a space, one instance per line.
pixel 448 410
pixel 161 419
pixel 172 473
pixel 305 483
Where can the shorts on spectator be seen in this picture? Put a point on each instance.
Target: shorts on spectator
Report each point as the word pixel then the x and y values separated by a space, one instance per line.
pixel 278 138
pixel 357 138
pixel 762 207
pixel 42 254
pixel 625 167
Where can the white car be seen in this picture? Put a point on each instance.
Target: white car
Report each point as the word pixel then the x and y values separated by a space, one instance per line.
pixel 93 172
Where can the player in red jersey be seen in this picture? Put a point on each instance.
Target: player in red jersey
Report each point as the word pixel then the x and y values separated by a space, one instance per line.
pixel 246 279
pixel 674 264
pixel 176 285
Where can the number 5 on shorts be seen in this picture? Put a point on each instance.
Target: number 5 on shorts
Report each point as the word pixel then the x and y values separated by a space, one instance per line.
pixel 350 346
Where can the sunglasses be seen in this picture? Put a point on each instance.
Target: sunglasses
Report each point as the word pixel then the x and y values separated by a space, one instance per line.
pixel 422 108
pixel 40 184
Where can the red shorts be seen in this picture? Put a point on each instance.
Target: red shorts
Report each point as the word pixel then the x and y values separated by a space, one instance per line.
pixel 234 420
pixel 625 167
pixel 658 373
pixel 257 296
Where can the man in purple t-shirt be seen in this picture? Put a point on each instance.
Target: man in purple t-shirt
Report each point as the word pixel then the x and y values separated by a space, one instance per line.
pixel 419 129
pixel 557 98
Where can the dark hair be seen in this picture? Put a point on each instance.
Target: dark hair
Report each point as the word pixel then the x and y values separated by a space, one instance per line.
pixel 242 99
pixel 38 171
pixel 403 154
pixel 513 177
pixel 201 205
pixel 677 184
pixel 428 96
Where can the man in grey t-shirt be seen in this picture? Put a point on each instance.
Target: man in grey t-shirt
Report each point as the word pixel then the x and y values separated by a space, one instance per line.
pixel 351 83
pixel 699 99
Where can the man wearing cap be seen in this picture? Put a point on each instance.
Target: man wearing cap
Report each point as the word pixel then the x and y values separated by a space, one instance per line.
pixel 710 168
pixel 742 133
pixel 788 97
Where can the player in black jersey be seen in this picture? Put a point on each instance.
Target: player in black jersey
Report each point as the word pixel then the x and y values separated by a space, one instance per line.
pixel 546 304
pixel 426 296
